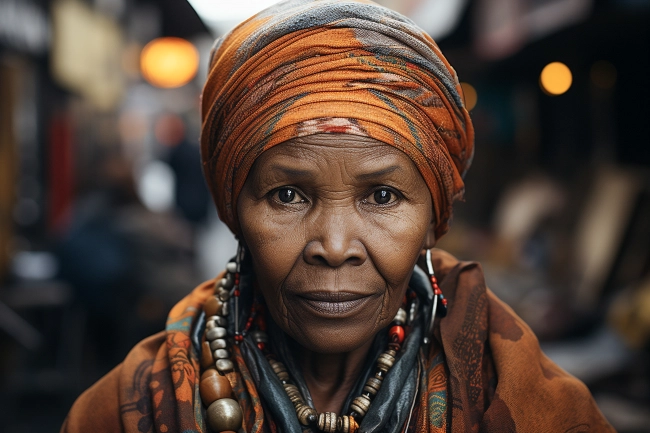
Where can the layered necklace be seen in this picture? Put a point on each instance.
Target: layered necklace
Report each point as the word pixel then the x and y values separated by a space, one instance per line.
pixel 224 414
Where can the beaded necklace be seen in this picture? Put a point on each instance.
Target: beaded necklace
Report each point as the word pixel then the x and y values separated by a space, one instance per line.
pixel 224 415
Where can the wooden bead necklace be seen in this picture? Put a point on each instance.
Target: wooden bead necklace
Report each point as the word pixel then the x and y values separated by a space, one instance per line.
pixel 224 414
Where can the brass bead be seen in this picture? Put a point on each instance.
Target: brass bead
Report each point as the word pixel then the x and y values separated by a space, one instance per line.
pixel 220 354
pixel 400 317
pixel 360 405
pixel 216 333
pixel 386 360
pixel 219 343
pixel 372 386
pixel 305 413
pixel 327 422
pixel 213 307
pixel 224 365
pixel 225 414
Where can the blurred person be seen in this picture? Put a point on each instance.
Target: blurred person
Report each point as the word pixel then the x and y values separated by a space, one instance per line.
pixel 334 142
pixel 191 193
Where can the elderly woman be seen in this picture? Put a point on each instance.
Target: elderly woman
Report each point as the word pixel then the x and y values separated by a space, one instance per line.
pixel 334 142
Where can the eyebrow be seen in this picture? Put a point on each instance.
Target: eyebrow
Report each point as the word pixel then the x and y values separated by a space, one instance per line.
pixel 294 172
pixel 378 173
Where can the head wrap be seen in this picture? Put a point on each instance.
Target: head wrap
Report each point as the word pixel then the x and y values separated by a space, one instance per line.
pixel 306 67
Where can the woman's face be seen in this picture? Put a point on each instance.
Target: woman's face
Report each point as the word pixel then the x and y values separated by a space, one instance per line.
pixel 334 224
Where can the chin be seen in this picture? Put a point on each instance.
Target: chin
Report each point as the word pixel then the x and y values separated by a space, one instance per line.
pixel 328 341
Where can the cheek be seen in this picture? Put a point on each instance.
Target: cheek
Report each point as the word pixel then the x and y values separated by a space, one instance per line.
pixel 274 245
pixel 395 243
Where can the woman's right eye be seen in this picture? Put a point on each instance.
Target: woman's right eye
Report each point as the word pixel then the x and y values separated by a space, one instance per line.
pixel 288 196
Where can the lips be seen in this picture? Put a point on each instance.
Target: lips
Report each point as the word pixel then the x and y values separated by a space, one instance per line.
pixel 333 304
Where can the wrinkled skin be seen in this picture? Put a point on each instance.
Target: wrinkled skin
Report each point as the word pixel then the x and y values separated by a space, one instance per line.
pixel 334 224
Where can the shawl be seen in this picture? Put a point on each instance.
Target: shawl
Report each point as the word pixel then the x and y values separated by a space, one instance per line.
pixel 484 372
pixel 306 67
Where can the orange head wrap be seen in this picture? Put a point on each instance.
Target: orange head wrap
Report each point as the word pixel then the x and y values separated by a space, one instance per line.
pixel 306 67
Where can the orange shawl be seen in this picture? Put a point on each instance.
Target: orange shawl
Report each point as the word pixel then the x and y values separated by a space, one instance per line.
pixel 486 373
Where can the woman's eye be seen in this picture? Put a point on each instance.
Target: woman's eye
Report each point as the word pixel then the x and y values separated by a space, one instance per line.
pixel 383 196
pixel 288 195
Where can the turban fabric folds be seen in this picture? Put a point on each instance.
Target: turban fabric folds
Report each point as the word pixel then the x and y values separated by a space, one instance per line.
pixel 331 66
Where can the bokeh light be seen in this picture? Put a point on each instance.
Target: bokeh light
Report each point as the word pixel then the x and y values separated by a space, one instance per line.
pixel 556 78
pixel 169 62
pixel 603 74
pixel 470 96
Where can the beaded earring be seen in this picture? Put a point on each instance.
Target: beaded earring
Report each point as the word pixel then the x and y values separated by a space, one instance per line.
pixel 439 304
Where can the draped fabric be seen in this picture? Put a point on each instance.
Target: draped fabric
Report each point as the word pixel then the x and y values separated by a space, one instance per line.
pixel 306 67
pixel 483 372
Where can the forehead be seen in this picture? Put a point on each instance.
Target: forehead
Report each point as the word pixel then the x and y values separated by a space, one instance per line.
pixel 341 149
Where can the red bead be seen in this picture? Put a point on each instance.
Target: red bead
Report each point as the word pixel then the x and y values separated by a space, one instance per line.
pixel 239 337
pixel 396 333
pixel 236 292
pixel 260 346
pixel 434 280
pixel 444 302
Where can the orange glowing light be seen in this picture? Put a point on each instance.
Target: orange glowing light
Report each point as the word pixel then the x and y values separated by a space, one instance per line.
pixel 556 78
pixel 169 62
pixel 470 95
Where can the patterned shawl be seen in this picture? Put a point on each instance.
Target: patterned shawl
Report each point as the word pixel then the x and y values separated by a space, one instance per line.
pixel 306 67
pixel 484 372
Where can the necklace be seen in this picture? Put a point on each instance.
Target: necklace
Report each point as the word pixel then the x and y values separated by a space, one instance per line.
pixel 224 413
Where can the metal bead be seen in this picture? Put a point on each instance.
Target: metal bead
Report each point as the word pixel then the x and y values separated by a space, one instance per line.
pixel 231 267
pixel 360 405
pixel 225 309
pixel 305 414
pixel 259 337
pixel 224 365
pixel 327 422
pixel 220 354
pixel 386 360
pixel 372 386
pixel 216 333
pixel 227 282
pixel 343 424
pixel 225 414
pixel 219 343
pixel 223 295
pixel 400 317
pixel 214 321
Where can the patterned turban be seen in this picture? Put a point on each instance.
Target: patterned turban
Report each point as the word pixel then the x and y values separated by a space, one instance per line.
pixel 305 67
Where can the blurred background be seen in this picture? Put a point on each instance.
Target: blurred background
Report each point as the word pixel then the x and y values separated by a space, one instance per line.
pixel 105 220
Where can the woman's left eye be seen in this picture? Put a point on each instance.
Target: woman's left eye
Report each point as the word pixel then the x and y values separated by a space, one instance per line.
pixel 382 196
pixel 288 195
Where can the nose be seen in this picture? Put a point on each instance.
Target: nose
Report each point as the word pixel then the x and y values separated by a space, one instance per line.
pixel 336 240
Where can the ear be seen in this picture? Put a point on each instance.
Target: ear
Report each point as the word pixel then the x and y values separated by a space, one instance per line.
pixel 430 239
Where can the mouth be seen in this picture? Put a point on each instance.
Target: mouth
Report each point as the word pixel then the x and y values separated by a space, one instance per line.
pixel 333 304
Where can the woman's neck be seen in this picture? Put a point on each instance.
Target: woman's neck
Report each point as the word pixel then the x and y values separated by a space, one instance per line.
pixel 330 377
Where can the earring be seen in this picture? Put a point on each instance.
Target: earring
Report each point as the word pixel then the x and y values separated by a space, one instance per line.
pixel 439 305
pixel 234 268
